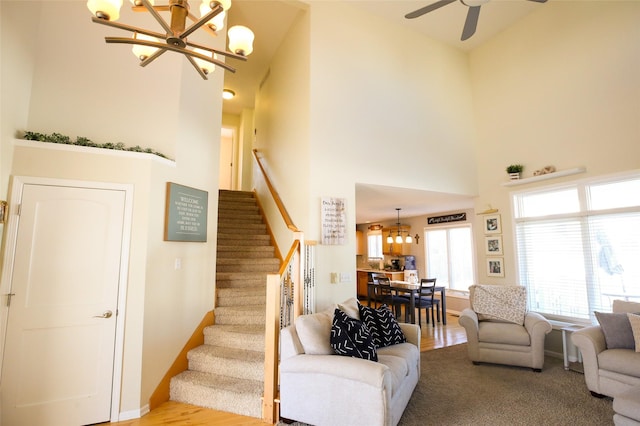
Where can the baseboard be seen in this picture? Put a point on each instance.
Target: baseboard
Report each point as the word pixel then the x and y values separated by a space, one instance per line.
pixel 132 414
pixel 181 363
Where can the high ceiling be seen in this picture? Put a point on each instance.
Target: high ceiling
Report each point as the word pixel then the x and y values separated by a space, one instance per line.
pixel 270 21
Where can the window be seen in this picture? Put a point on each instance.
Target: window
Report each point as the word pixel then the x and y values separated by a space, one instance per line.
pixel 578 245
pixel 449 256
pixel 374 245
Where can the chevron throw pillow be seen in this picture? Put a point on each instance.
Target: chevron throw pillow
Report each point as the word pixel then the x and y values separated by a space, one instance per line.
pixel 383 326
pixel 351 337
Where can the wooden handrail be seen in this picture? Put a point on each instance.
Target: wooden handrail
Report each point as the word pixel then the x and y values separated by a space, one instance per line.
pixel 274 194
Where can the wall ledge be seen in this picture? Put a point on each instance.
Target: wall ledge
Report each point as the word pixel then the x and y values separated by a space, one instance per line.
pixel 93 150
pixel 545 177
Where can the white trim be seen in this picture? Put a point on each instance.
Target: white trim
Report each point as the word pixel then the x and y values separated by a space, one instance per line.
pixel 11 233
pixel 132 414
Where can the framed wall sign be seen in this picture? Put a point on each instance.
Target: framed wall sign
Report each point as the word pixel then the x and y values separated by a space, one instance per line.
pixel 495 267
pixel 493 245
pixel 186 214
pixel 334 221
pixel 492 224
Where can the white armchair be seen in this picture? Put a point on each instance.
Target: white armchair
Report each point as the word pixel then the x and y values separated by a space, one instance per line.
pixel 500 341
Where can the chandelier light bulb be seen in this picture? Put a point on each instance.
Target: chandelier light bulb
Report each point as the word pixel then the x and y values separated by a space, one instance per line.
pixel 206 67
pixel 210 4
pixel 240 40
pixel 109 10
pixel 142 52
pixel 217 22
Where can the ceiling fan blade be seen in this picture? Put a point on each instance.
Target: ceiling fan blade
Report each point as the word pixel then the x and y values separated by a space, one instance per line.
pixel 427 9
pixel 471 22
pixel 539 1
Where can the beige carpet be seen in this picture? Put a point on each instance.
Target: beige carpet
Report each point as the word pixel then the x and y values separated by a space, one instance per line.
pixel 453 391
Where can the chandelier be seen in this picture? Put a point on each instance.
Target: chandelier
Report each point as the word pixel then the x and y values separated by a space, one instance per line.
pixel 149 45
pixel 399 239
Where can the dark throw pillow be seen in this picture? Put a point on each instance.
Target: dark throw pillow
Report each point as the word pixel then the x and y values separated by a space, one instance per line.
pixel 617 330
pixel 383 326
pixel 351 337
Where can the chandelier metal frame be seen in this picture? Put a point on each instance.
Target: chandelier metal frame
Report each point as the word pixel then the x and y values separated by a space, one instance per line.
pixel 176 33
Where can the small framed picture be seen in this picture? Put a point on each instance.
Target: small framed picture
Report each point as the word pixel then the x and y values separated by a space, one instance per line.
pixel 492 224
pixel 493 245
pixel 495 267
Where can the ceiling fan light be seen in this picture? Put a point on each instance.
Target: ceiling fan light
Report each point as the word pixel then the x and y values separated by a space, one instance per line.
pixel 108 10
pixel 140 51
pixel 217 22
pixel 240 40
pixel 206 67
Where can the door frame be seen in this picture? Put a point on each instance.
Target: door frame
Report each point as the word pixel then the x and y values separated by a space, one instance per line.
pixel 10 234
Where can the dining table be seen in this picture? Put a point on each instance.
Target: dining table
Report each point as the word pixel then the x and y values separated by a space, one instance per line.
pixel 412 289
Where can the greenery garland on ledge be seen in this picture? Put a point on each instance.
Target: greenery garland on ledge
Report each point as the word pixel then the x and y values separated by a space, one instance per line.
pixel 82 141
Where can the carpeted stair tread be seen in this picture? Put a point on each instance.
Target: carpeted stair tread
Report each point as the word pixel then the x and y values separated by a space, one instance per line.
pixel 249 314
pixel 242 227
pixel 258 239
pixel 242 284
pixel 241 363
pixel 241 296
pixel 230 394
pixel 258 265
pixel 250 337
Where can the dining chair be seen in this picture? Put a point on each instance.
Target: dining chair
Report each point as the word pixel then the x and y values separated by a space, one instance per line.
pixel 389 298
pixel 375 277
pixel 426 300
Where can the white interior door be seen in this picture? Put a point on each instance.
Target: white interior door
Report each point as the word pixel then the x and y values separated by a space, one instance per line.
pixel 226 159
pixel 61 331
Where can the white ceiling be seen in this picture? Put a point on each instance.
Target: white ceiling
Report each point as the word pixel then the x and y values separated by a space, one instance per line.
pixel 376 203
pixel 270 21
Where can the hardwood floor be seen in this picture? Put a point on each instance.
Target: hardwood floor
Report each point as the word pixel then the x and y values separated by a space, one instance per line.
pixel 174 413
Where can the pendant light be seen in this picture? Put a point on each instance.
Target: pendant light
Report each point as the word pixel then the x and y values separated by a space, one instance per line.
pixel 398 239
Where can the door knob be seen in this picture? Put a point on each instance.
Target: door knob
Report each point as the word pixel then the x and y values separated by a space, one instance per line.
pixel 106 314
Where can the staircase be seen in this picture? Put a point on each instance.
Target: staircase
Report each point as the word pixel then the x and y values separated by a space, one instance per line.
pixel 227 372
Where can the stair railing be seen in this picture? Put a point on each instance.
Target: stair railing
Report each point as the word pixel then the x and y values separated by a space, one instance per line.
pixel 290 293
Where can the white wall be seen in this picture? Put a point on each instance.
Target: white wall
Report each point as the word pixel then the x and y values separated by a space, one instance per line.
pixel 355 91
pixel 62 77
pixel 408 112
pixel 282 131
pixel 561 88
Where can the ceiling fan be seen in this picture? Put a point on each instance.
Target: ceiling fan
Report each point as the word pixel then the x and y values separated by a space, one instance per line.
pixel 470 23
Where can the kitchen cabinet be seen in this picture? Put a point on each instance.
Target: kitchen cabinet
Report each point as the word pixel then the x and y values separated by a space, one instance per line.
pixel 394 249
pixel 363 280
pixel 360 250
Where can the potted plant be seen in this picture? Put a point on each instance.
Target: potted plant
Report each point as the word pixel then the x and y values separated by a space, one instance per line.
pixel 514 171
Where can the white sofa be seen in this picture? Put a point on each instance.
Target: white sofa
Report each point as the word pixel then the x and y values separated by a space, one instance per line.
pixel 612 372
pixel 321 388
pixel 608 371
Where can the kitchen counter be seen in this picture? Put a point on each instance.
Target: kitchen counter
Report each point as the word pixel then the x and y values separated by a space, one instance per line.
pixel 363 279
